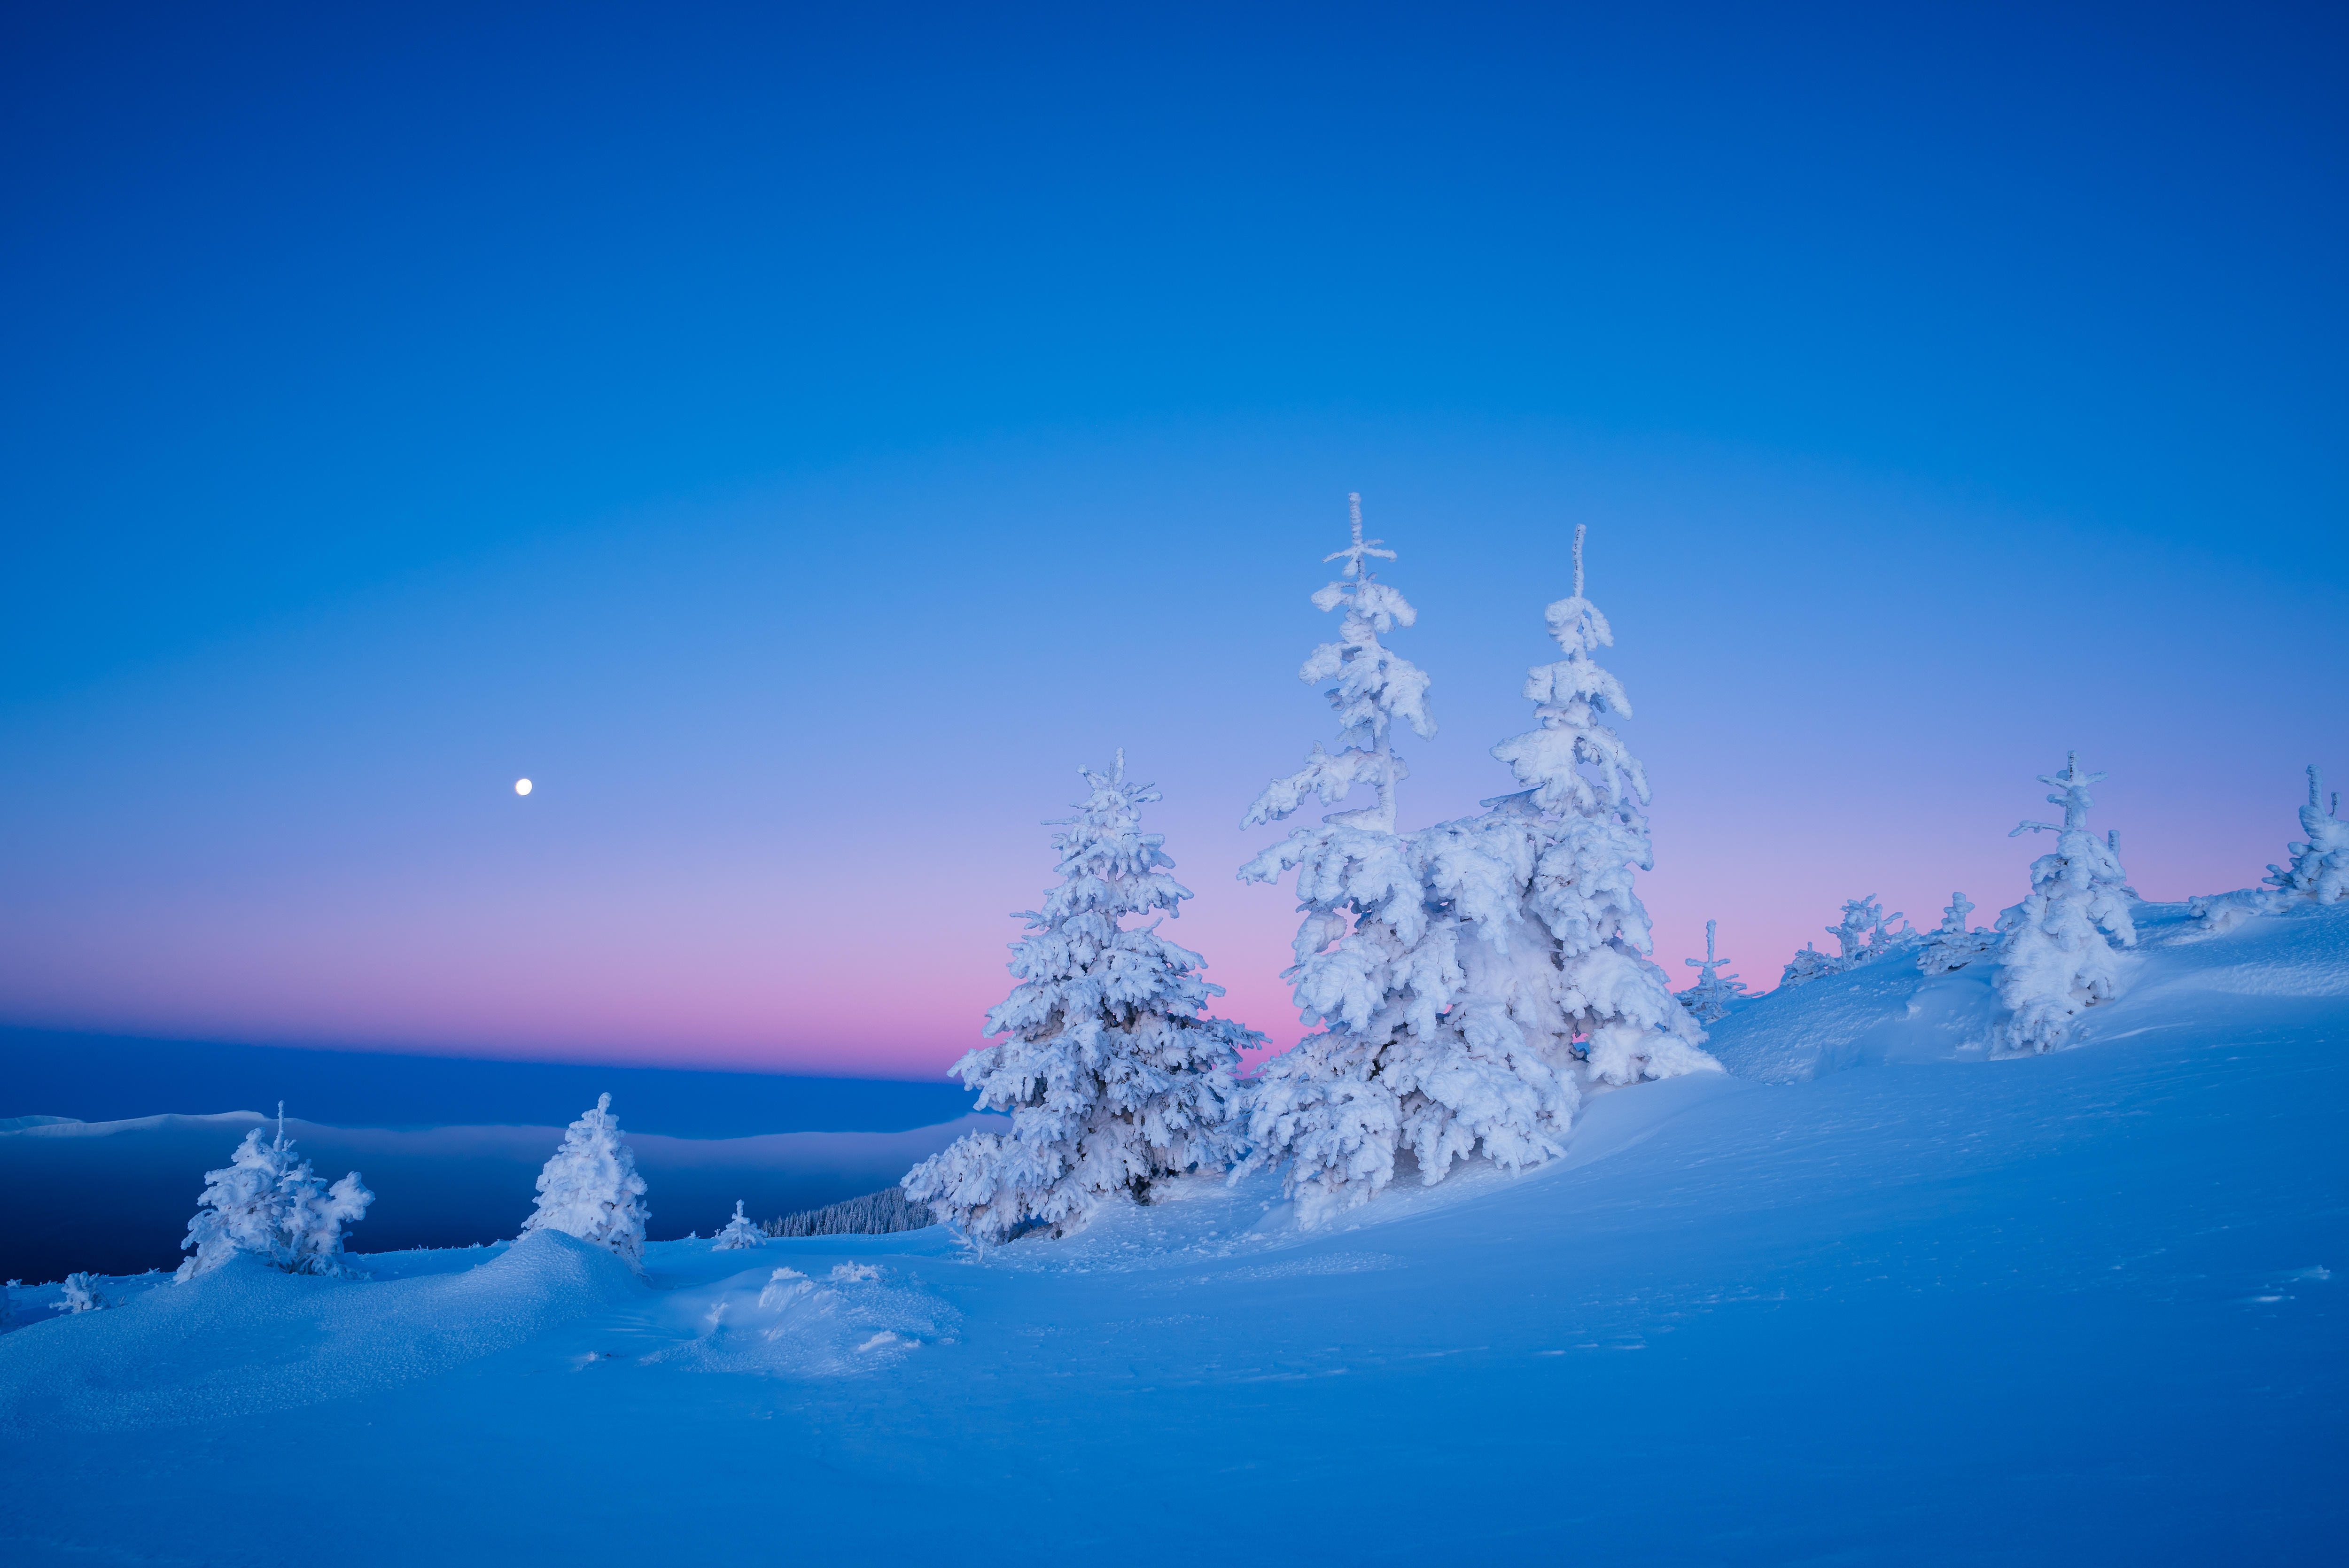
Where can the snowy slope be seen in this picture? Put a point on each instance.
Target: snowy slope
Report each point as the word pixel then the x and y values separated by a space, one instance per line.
pixel 1875 1300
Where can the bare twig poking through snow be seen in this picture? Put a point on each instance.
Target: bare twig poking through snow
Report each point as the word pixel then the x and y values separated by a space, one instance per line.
pixel 590 1188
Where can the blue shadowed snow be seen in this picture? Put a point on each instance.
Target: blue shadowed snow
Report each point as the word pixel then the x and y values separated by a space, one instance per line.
pixel 1900 1303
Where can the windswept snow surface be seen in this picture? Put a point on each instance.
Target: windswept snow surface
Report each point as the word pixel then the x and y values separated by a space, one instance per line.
pixel 1896 1304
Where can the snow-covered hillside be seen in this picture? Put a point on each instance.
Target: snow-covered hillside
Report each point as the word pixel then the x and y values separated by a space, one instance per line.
pixel 1871 1297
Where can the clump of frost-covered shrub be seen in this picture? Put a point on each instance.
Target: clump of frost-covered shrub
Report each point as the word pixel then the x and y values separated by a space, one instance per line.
pixel 590 1188
pixel 1808 964
pixel 1863 935
pixel 1953 944
pixel 81 1294
pixel 1708 1000
pixel 270 1205
pixel 740 1232
pixel 1114 1078
pixel 2059 952
pixel 1582 813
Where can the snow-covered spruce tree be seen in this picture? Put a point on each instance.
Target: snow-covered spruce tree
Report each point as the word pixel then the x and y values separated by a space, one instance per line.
pixel 1582 814
pixel 2319 867
pixel 740 1232
pixel 271 1205
pixel 590 1188
pixel 2057 955
pixel 1708 1000
pixel 1453 970
pixel 1953 945
pixel 8 1302
pixel 1114 1078
pixel 1402 1059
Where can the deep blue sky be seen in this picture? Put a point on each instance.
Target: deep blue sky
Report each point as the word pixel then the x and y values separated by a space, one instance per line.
pixel 806 439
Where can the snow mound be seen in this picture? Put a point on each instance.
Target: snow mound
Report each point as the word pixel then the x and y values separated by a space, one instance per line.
pixel 247 1338
pixel 780 1323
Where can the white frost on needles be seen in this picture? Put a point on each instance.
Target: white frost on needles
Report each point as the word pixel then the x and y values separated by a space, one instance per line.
pixel 2058 956
pixel 1953 944
pixel 1451 969
pixel 1113 1079
pixel 1708 1000
pixel 1582 821
pixel 2319 867
pixel 1378 962
pixel 590 1188
pixel 269 1204
pixel 740 1232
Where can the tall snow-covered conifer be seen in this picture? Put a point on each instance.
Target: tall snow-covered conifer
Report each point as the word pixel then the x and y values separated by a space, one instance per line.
pixel 1414 1052
pixel 590 1188
pixel 2058 955
pixel 1452 969
pixel 1113 1079
pixel 1582 818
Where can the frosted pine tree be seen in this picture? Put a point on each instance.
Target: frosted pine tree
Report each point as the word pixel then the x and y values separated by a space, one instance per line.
pixel 2319 866
pixel 1113 1079
pixel 1953 944
pixel 1582 817
pixel 1708 1000
pixel 740 1232
pixel 1862 933
pixel 2058 954
pixel 590 1188
pixel 1416 1048
pixel 269 1204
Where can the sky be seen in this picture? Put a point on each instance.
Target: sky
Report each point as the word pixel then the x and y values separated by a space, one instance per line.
pixel 800 440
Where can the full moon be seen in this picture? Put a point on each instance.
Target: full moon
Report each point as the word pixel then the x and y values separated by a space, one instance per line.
pixel 521 786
